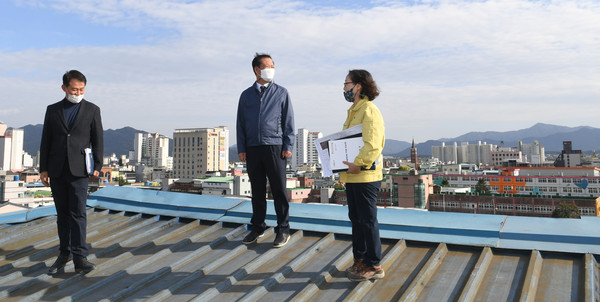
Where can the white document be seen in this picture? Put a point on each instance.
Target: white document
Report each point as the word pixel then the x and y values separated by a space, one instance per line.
pixel 89 161
pixel 344 150
pixel 322 145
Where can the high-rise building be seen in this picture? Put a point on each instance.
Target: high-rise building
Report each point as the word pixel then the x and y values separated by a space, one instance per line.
pixel 200 150
pixel 151 150
pixel 479 154
pixel 502 154
pixel 568 157
pixel 3 128
pixel 139 147
pixel 11 149
pixel 16 152
pixel 305 151
pixel 5 148
pixel 533 153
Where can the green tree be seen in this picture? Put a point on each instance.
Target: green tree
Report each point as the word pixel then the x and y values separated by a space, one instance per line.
pixel 445 183
pixel 404 168
pixel 566 210
pixel 481 187
pixel 123 181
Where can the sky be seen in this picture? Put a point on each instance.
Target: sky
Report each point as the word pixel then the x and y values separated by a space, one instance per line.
pixel 444 68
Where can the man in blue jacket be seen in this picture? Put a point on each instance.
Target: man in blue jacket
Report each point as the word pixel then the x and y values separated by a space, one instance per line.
pixel 265 138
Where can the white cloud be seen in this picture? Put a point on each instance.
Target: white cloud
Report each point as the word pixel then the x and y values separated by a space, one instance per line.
pixel 444 68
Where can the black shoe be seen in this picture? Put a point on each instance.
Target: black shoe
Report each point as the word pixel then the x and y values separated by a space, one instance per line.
pixel 252 237
pixel 281 239
pixel 82 265
pixel 59 264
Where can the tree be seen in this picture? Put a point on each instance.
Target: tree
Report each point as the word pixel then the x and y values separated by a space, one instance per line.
pixel 122 181
pixel 566 210
pixel 445 183
pixel 481 187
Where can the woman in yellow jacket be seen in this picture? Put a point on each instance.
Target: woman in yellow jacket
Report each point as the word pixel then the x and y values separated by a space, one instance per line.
pixel 364 175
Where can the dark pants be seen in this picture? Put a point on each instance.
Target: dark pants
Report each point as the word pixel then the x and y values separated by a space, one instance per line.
pixel 362 210
pixel 70 197
pixel 264 162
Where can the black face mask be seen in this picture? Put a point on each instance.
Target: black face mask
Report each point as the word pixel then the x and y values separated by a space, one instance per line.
pixel 349 95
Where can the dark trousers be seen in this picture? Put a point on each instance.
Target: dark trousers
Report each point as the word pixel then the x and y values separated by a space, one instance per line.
pixel 362 210
pixel 264 162
pixel 70 197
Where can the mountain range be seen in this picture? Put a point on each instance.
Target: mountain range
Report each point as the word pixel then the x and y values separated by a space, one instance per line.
pixel 585 138
pixel 118 141
pixel 551 137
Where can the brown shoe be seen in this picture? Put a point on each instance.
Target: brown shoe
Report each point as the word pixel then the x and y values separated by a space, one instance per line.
pixel 367 273
pixel 357 266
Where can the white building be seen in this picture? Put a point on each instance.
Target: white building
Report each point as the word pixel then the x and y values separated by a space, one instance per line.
pixel 5 148
pixel 151 150
pixel 305 151
pixel 533 153
pixel 11 148
pixel 200 150
pixel 27 160
pixel 218 186
pixel 241 185
pixel 479 154
pixel 16 152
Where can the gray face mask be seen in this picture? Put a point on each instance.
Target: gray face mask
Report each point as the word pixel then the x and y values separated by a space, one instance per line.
pixel 349 95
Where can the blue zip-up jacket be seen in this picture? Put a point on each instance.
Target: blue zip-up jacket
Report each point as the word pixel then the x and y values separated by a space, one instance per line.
pixel 266 120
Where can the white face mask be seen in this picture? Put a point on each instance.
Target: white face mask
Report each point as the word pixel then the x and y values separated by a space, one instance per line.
pixel 267 74
pixel 75 98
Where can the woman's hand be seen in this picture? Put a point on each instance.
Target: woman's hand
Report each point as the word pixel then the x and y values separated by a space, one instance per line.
pixel 352 168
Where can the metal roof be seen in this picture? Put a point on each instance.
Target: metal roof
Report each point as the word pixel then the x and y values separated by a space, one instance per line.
pixel 156 246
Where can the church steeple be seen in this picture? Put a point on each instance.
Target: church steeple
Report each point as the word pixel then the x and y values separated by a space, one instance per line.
pixel 413 155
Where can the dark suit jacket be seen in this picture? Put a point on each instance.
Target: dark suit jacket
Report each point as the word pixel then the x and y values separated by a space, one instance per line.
pixel 59 144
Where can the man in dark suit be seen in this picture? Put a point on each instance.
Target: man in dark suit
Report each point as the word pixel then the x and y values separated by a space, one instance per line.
pixel 71 126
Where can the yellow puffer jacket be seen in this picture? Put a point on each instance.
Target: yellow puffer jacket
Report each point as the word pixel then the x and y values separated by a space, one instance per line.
pixel 366 113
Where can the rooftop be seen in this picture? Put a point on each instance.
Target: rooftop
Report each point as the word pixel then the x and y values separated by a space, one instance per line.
pixel 151 245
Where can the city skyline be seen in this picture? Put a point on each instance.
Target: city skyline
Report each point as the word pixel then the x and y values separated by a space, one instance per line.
pixel 444 68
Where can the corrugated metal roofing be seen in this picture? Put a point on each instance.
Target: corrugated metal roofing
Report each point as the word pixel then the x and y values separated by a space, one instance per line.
pixel 159 256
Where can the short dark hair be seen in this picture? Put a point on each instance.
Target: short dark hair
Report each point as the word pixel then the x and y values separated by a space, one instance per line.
pixel 73 74
pixel 364 78
pixel 258 58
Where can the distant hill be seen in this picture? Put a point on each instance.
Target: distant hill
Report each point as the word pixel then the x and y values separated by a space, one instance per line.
pixel 118 141
pixel 393 146
pixel 550 136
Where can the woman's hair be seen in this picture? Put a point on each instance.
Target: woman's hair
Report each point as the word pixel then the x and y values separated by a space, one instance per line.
pixel 364 78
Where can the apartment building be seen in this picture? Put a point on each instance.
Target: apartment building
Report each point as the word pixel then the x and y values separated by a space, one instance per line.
pixel 198 151
pixel 305 151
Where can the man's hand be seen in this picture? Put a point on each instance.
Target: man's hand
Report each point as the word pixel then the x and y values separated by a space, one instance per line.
pixel 44 178
pixel 286 154
pixel 352 168
pixel 242 156
pixel 96 173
